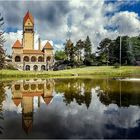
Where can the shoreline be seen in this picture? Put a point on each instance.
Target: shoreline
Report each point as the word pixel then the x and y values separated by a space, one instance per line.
pixel 86 72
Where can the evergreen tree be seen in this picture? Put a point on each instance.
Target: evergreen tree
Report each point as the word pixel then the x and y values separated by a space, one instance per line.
pixel 2 52
pixel 80 46
pixel 70 51
pixel 87 52
pixel 87 46
pixel 102 51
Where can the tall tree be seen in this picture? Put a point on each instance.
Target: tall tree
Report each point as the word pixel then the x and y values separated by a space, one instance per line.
pixel 70 51
pixel 2 40
pixel 87 51
pixel 87 47
pixel 80 46
pixel 102 50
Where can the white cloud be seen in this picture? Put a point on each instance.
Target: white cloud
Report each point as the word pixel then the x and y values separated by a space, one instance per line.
pixel 88 18
pixel 10 40
pixel 128 23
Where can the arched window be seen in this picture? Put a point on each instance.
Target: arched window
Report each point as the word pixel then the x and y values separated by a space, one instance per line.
pixel 33 86
pixel 43 67
pixel 26 58
pixel 33 58
pixel 40 86
pixel 26 87
pixel 40 59
pixel 27 67
pixel 17 87
pixel 48 58
pixel 17 59
pixel 35 67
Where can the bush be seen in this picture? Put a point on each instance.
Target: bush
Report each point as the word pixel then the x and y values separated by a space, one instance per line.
pixel 10 67
pixel 116 65
pixel 68 67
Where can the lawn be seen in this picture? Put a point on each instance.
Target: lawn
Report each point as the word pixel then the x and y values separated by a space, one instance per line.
pixel 94 71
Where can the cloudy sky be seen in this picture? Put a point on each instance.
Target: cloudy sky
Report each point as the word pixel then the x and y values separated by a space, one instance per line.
pixel 56 20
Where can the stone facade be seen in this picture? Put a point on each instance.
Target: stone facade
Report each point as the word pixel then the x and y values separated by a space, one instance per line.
pixel 24 56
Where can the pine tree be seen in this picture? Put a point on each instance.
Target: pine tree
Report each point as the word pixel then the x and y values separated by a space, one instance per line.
pixel 80 46
pixel 87 51
pixel 2 51
pixel 87 46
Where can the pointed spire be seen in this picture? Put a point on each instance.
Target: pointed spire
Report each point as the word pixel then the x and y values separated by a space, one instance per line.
pixel 28 16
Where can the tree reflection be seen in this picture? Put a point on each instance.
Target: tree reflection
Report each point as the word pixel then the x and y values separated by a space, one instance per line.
pixel 2 98
pixel 75 90
pixel 121 93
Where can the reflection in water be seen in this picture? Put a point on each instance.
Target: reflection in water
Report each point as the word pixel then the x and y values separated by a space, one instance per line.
pixel 100 108
pixel 24 92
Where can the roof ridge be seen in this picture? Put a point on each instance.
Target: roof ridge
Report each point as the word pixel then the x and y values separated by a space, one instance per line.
pixel 28 15
pixel 17 44
pixel 48 45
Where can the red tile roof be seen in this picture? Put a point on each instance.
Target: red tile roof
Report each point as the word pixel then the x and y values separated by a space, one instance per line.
pixel 17 45
pixel 48 99
pixel 48 46
pixel 17 101
pixel 28 16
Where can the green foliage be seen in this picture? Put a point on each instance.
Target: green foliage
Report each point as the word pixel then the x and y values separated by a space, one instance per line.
pixel 60 55
pixel 2 52
pixel 10 67
pixel 116 65
pixel 109 51
pixel 87 47
pixel 79 47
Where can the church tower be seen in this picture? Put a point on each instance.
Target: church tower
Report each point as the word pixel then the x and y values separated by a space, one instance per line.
pixel 28 32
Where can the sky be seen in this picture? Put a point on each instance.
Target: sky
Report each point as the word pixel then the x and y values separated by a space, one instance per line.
pixel 56 21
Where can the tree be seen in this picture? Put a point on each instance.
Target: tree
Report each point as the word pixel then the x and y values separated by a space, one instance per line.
pixel 2 51
pixel 87 47
pixel 70 51
pixel 102 50
pixel 60 55
pixel 87 52
pixel 79 47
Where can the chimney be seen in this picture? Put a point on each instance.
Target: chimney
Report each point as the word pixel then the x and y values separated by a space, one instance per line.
pixel 39 44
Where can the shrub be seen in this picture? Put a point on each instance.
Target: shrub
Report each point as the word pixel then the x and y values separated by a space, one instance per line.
pixel 116 65
pixel 10 67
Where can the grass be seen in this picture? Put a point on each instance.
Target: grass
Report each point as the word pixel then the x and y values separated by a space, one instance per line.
pixel 94 71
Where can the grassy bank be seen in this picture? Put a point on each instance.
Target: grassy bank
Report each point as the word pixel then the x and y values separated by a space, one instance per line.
pixel 94 71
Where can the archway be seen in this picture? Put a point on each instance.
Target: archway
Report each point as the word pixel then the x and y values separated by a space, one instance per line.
pixel 43 67
pixel 48 58
pixel 27 67
pixel 17 59
pixel 35 67
pixel 40 59
pixel 33 58
pixel 17 87
pixel 26 58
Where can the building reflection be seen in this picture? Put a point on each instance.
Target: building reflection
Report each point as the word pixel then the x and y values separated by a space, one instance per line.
pixel 25 91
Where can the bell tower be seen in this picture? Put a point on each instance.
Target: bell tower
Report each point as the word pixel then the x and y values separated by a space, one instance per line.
pixel 28 32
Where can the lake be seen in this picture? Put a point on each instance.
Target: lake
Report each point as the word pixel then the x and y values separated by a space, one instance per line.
pixel 70 108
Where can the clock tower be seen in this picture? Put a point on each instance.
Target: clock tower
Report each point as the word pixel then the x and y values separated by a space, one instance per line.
pixel 28 32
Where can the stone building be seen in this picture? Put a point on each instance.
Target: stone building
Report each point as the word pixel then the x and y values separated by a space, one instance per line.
pixel 24 55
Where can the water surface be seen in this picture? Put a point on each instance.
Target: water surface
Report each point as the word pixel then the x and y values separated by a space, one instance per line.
pixel 70 108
